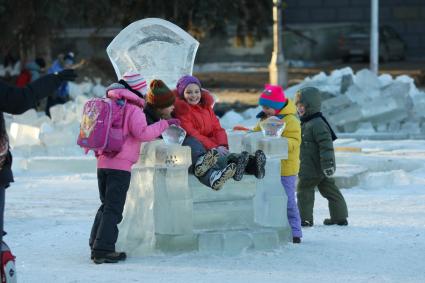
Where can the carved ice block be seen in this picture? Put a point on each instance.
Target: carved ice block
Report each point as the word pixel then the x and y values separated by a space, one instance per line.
pixel 154 47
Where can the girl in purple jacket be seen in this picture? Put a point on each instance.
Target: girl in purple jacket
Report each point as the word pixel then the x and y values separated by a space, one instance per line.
pixel 113 172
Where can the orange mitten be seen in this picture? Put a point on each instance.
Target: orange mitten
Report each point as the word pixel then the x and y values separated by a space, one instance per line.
pixel 240 128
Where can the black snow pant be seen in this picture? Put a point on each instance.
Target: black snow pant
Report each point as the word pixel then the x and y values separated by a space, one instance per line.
pixel 328 189
pixel 197 150
pixel 2 201
pixel 113 186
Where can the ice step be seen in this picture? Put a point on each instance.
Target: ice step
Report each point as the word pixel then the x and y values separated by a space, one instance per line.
pixel 349 175
pixel 56 164
pixel 227 242
pixel 234 242
pixel 377 163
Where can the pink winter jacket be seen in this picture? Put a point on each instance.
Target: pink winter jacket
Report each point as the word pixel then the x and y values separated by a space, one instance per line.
pixel 135 130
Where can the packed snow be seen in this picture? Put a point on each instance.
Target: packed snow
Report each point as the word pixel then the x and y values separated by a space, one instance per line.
pixel 49 216
pixel 51 205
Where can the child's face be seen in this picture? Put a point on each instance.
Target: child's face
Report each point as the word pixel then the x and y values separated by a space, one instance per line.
pixel 165 113
pixel 300 109
pixel 192 94
pixel 269 111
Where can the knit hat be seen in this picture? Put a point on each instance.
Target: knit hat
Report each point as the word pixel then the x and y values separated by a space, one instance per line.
pixel 159 95
pixel 273 97
pixel 136 82
pixel 185 81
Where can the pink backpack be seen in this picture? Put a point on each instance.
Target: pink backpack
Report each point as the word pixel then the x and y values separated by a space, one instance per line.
pixel 101 128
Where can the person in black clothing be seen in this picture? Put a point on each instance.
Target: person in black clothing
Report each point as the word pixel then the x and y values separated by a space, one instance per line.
pixel 15 100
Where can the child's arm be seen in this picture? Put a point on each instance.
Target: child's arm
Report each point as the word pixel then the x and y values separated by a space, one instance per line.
pixel 323 138
pixel 138 127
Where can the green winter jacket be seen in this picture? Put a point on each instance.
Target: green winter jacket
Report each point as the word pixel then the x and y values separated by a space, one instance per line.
pixel 317 151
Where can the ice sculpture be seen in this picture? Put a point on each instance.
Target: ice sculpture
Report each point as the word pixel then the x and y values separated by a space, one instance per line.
pixel 174 135
pixel 154 47
pixel 272 127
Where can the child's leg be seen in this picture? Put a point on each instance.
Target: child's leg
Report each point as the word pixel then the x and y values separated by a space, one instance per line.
pixel 241 161
pixel 294 219
pixel 219 177
pixel 196 150
pixel 336 202
pixel 117 183
pixel 202 160
pixel 305 197
pixel 256 165
pixel 101 183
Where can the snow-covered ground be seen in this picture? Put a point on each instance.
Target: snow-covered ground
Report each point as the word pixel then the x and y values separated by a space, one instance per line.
pixel 48 220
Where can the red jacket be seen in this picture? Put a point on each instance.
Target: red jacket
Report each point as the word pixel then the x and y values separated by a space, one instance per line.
pixel 200 121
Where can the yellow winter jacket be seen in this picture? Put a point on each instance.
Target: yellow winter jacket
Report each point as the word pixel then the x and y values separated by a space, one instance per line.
pixel 292 132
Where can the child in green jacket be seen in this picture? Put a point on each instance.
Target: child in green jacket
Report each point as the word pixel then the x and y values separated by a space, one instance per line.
pixel 317 161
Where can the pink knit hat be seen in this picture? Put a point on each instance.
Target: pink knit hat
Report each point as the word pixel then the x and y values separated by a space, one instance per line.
pixel 136 82
pixel 273 97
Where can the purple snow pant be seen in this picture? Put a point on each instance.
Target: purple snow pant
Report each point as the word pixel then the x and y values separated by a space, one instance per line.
pixel 294 219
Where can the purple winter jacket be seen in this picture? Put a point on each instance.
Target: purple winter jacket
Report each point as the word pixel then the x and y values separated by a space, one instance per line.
pixel 135 130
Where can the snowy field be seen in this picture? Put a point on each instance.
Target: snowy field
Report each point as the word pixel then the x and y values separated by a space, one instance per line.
pixel 48 220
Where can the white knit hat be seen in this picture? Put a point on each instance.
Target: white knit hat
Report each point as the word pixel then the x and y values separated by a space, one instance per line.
pixel 136 82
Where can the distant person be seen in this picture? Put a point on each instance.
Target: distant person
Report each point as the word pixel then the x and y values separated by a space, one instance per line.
pixel 61 95
pixel 212 163
pixel 15 100
pixel 10 64
pixel 317 161
pixel 114 170
pixel 31 72
pixel 274 103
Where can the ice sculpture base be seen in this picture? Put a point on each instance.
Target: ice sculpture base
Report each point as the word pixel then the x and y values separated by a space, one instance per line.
pixel 169 210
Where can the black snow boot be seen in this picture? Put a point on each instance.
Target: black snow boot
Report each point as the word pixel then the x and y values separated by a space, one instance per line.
pixel 296 240
pixel 241 161
pixel 329 221
pixel 307 223
pixel 107 256
pixel 256 165
pixel 205 162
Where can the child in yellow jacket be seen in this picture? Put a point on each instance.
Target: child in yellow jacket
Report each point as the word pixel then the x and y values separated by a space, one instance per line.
pixel 274 103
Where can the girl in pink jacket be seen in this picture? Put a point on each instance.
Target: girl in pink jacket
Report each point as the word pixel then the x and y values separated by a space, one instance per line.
pixel 114 171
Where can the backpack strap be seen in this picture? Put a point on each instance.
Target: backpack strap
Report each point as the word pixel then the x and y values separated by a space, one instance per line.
pixel 125 84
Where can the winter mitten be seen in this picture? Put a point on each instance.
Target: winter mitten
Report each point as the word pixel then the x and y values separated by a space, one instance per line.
pixel 329 172
pixel 67 75
pixel 222 150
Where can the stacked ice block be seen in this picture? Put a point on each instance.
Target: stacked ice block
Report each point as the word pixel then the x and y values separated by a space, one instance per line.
pixel 169 210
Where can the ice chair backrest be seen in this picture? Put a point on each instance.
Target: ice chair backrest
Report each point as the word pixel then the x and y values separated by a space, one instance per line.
pixel 101 128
